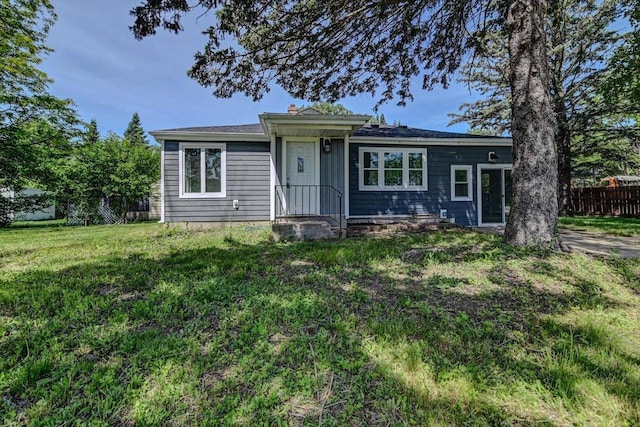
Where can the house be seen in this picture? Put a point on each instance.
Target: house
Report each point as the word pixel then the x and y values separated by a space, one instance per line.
pixel 306 164
pixel 45 212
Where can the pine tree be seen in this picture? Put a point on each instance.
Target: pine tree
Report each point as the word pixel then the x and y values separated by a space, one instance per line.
pixel 134 132
pixel 580 41
pixel 92 135
pixel 383 121
pixel 623 81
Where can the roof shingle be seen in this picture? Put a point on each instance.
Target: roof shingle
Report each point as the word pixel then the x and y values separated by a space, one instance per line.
pixel 371 131
pixel 392 131
pixel 253 128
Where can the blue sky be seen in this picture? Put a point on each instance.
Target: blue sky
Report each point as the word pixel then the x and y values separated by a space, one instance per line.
pixel 110 75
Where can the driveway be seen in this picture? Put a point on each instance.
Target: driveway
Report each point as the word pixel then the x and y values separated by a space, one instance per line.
pixel 601 244
pixel 592 242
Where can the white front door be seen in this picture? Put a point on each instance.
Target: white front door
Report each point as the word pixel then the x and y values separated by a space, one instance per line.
pixel 302 192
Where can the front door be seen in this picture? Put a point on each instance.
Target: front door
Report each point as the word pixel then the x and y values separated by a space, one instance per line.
pixel 495 194
pixel 302 193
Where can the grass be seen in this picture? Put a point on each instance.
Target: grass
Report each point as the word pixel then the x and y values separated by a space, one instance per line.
pixel 629 227
pixel 39 224
pixel 145 325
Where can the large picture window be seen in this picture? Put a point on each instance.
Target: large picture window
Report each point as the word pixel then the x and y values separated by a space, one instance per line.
pixel 202 170
pixel 461 183
pixel 391 169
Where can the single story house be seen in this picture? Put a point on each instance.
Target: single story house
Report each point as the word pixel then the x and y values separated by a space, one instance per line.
pixel 303 163
pixel 44 213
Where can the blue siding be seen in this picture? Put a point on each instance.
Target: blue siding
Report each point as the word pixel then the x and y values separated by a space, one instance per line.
pixel 332 173
pixel 438 194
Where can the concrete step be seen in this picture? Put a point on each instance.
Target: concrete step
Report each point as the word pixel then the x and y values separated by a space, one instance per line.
pixel 396 227
pixel 304 230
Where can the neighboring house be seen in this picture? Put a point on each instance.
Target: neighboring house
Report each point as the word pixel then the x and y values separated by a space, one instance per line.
pixel 304 163
pixel 46 212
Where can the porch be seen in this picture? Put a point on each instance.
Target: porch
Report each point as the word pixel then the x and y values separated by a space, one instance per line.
pixel 308 212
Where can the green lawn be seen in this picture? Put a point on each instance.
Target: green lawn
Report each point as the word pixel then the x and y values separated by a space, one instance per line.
pixel 610 225
pixel 145 325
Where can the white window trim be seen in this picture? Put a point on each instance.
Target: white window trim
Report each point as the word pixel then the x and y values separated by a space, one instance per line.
pixel 405 169
pixel 223 171
pixel 469 170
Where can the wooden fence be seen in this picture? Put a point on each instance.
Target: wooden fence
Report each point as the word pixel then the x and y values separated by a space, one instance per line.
pixel 604 201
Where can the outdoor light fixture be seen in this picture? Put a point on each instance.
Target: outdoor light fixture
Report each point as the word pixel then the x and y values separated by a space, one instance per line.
pixel 326 145
pixel 493 157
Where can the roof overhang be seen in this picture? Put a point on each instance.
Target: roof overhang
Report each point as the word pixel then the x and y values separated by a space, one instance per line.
pixel 489 141
pixel 163 135
pixel 312 125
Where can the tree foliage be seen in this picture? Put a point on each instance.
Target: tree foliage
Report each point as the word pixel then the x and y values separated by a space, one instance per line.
pixel 328 108
pixel 349 48
pixel 113 170
pixel 581 41
pixel 624 79
pixel 91 134
pixel 128 170
pixel 134 132
pixel 327 50
pixel 34 125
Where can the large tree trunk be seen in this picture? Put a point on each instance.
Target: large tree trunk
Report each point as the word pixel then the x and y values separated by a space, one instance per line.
pixel 563 143
pixel 534 205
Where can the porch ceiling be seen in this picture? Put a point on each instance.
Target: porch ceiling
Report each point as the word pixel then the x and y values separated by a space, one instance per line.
pixel 312 131
pixel 312 125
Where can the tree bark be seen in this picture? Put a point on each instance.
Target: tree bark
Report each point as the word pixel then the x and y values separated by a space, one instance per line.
pixel 533 215
pixel 563 143
pixel 558 40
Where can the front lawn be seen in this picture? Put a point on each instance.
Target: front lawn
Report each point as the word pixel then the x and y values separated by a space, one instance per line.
pixel 145 325
pixel 629 227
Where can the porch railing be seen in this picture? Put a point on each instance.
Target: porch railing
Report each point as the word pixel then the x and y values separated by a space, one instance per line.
pixel 309 201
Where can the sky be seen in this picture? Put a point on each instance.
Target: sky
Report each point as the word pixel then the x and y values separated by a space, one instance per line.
pixel 109 75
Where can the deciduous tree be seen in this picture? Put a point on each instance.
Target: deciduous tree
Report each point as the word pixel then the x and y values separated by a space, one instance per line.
pixel 328 108
pixel 113 169
pixel 33 124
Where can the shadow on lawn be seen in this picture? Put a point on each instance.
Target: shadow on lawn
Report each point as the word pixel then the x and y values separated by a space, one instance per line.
pixel 308 332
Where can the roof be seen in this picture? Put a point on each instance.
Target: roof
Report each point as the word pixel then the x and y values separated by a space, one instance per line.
pixel 253 128
pixel 393 131
pixel 255 131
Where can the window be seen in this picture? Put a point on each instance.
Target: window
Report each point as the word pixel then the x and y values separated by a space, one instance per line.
pixel 202 170
pixel 461 184
pixel 393 168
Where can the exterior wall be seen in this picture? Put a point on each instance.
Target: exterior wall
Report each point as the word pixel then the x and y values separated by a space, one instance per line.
pixel 278 159
pixel 332 173
pixel 155 202
pixel 438 195
pixel 47 212
pixel 247 178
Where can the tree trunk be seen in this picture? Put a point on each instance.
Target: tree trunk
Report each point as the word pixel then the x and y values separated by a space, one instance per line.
pixel 558 40
pixel 563 143
pixel 533 215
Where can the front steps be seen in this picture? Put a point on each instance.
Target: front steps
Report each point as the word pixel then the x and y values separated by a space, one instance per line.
pixel 317 228
pixel 312 228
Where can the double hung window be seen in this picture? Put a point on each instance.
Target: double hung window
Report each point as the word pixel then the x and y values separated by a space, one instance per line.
pixel 461 183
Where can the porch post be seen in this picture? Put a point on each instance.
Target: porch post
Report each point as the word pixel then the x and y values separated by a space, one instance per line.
pixel 346 177
pixel 272 180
